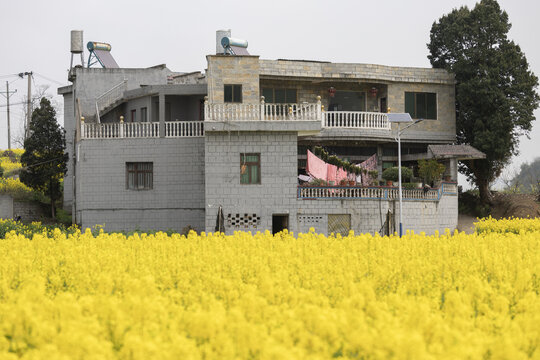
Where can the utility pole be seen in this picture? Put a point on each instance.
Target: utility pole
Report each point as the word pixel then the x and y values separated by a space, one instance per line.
pixel 7 94
pixel 29 106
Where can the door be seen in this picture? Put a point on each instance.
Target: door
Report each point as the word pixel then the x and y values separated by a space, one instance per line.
pixel 280 222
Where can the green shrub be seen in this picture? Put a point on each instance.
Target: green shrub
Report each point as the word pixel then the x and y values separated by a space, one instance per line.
pixel 392 174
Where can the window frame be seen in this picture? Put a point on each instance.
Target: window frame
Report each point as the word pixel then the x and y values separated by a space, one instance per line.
pixel 415 95
pixel 236 94
pixel 249 164
pixel 144 114
pixel 273 89
pixel 133 117
pixel 136 173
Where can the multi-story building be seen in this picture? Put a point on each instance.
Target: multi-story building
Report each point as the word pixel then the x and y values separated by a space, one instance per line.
pixel 153 149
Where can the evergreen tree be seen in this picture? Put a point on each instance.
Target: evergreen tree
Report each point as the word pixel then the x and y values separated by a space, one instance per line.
pixel 495 90
pixel 44 161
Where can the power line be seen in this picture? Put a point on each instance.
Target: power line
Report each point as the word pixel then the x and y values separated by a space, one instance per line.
pixel 49 79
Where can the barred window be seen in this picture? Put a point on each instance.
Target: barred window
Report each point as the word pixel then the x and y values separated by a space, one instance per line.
pixel 139 175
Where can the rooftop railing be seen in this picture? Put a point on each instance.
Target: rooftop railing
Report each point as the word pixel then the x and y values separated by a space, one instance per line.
pixel 173 129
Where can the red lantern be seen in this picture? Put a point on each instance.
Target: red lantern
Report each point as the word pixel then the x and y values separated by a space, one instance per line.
pixel 332 91
pixel 374 91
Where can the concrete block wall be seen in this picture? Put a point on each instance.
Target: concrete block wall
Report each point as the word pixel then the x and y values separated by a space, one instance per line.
pixel 177 197
pixel 368 216
pixel 89 84
pixel 275 195
pixel 6 207
pixel 227 69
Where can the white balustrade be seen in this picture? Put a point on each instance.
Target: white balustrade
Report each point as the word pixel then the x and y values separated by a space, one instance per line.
pixel 141 130
pixel 359 192
pixel 184 129
pixel 269 112
pixel 356 120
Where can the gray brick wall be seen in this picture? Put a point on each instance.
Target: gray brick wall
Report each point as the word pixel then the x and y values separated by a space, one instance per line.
pixel 177 197
pixel 277 192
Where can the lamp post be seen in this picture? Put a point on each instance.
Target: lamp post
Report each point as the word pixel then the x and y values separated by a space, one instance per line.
pixel 401 118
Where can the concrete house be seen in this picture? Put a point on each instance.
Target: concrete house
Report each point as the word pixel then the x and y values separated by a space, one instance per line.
pixel 154 149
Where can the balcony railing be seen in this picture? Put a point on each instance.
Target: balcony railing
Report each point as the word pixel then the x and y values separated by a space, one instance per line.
pixel 371 193
pixel 262 111
pixel 296 112
pixel 356 120
pixel 173 129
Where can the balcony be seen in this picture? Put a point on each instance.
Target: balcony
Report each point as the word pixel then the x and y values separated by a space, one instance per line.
pixel 262 111
pixel 374 193
pixel 296 112
pixel 355 120
pixel 172 129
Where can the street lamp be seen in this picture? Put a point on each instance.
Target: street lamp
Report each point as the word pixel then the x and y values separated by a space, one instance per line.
pixel 400 118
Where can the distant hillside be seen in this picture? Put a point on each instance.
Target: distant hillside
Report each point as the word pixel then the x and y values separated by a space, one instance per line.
pixel 528 179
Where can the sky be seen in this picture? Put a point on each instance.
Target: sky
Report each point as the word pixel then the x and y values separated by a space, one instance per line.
pixel 36 37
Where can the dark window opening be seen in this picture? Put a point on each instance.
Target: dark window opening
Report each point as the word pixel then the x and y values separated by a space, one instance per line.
pixel 279 96
pixel 421 105
pixel 233 93
pixel 144 117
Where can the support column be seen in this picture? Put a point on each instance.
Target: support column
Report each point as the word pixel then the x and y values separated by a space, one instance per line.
pixel 379 160
pixel 161 115
pixel 453 169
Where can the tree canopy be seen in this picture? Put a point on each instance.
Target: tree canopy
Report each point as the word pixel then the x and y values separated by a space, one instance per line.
pixel 495 89
pixel 44 161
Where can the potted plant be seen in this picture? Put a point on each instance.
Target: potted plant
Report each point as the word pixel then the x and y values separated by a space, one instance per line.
pixel 430 171
pixel 392 174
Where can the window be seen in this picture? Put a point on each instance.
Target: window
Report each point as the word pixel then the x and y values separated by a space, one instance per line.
pixel 139 175
pixel 421 105
pixel 233 93
pixel 133 115
pixel 279 96
pixel 250 168
pixel 339 224
pixel 144 117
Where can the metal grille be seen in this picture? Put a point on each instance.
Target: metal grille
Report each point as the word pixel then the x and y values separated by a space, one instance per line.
pixel 339 223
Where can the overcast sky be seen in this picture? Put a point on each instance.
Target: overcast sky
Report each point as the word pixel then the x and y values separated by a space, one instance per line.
pixel 36 37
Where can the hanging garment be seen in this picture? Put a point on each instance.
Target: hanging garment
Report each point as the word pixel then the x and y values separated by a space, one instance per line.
pixel 331 172
pixel 316 167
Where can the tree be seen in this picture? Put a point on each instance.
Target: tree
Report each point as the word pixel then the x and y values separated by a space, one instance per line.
pixel 495 90
pixel 528 178
pixel 44 160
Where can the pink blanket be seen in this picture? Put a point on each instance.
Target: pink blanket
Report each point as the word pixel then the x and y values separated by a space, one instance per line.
pixel 315 166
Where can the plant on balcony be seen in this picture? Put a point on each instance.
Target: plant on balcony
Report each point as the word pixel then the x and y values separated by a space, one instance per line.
pixel 430 171
pixel 318 182
pixel 392 174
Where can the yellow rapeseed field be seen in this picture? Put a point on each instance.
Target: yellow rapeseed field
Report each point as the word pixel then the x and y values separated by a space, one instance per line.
pixel 305 296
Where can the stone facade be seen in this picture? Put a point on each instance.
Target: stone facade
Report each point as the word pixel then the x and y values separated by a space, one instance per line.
pixel 240 70
pixel 368 72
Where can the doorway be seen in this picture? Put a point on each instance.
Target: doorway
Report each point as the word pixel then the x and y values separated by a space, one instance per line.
pixel 280 222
